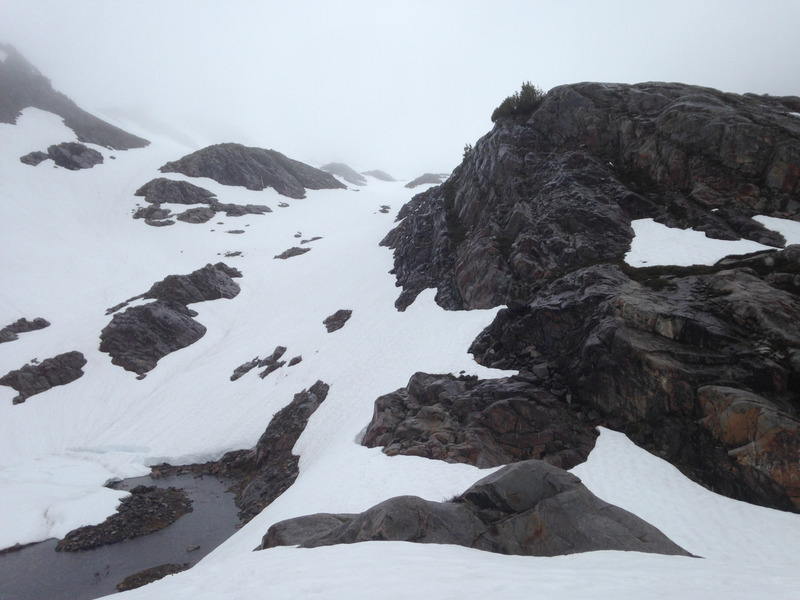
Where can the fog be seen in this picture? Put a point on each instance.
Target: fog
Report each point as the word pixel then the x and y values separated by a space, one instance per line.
pixel 398 86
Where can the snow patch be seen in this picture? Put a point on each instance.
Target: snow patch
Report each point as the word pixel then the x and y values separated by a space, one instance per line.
pixel 787 228
pixel 655 244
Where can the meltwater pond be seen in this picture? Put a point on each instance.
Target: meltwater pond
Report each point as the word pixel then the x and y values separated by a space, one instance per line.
pixel 38 572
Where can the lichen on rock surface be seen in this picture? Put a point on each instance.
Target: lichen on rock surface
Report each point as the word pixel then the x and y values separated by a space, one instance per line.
pixel 538 218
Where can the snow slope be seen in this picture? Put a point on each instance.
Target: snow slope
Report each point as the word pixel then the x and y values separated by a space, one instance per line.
pixel 71 250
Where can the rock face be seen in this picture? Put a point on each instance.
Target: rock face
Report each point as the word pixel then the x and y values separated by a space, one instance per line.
pixel 267 470
pixel 687 361
pixel 37 378
pixel 253 168
pixel 140 336
pixel 529 508
pixel 482 423
pixel 23 86
pixel 9 333
pixel 345 172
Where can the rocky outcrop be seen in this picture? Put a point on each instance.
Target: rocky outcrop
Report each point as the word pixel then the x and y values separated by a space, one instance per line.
pixel 337 320
pixel 137 338
pixel 168 191
pixel 268 470
pixel 687 361
pixel 140 336
pixel 292 252
pixel 137 580
pixel 9 333
pixel 345 172
pixel 559 190
pixel 37 378
pixel 378 174
pixel 254 169
pixel 23 86
pixel 145 511
pixel 426 179
pixel 69 155
pixel 482 423
pixel 529 508
pixel 642 354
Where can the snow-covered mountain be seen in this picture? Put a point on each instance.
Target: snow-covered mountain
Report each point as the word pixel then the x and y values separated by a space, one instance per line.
pixel 73 254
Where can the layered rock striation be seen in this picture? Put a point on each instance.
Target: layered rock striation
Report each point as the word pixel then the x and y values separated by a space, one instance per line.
pixel 700 365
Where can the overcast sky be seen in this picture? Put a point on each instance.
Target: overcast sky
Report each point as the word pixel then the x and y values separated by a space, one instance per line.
pixel 398 86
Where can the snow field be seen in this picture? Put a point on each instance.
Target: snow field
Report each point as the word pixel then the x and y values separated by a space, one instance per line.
pixel 71 250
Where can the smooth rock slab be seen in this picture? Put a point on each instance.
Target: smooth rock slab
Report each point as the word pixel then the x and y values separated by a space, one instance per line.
pixel 529 508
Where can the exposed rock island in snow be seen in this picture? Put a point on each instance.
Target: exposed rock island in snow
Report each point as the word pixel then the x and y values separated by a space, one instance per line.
pixel 535 312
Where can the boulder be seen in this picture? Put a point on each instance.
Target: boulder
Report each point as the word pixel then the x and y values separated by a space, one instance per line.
pixel 482 423
pixel 337 320
pixel 529 508
pixel 37 378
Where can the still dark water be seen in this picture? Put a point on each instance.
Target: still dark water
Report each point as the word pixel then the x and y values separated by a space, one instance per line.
pixel 38 572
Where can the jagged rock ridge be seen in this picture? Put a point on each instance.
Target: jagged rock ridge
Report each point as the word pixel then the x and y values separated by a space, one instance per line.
pixel 700 365
pixel 254 169
pixel 23 86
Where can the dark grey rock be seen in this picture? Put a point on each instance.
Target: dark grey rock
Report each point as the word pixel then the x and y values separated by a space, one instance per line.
pixel 337 320
pixel 427 178
pixel 268 470
pixel 273 362
pixel 9 333
pixel 291 252
pixel 140 336
pixel 254 169
pixel 162 191
pixel 34 158
pixel 345 172
pixel 201 214
pixel 482 423
pixel 22 85
pixel 35 379
pixel 209 283
pixel 529 508
pixel 537 217
pixel 377 174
